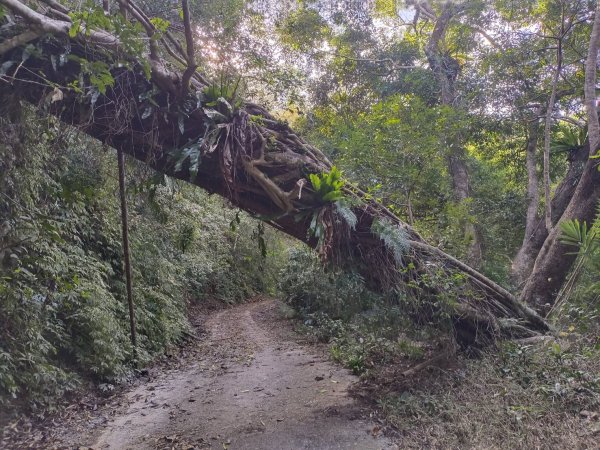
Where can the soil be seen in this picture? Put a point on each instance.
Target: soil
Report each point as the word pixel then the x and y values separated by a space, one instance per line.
pixel 248 383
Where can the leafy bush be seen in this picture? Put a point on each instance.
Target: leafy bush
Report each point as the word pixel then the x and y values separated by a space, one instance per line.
pixel 63 314
pixel 364 329
pixel 309 287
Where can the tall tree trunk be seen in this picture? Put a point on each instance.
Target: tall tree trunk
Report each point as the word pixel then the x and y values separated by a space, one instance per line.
pixel 554 259
pixel 547 130
pixel 591 100
pixel 446 70
pixel 553 262
pixel 536 231
pixel 520 267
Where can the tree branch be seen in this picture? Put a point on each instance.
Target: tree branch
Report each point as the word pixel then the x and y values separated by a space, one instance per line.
pixel 590 84
pixel 145 22
pixel 57 27
pixel 18 40
pixel 189 44
pixel 493 42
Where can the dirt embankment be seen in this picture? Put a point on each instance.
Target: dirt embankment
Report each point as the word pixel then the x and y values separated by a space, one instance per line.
pixel 248 386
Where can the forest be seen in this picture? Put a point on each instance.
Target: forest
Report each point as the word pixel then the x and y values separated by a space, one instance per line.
pixel 398 198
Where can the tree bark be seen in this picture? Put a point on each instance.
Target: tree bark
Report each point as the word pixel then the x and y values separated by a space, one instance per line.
pixel 536 231
pixel 554 261
pixel 591 100
pixel 547 129
pixel 521 260
pixel 446 70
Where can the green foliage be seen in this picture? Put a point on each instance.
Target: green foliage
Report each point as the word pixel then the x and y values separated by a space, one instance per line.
pixel 365 330
pixel 88 18
pixel 568 139
pixel 223 97
pixel 303 29
pixel 190 154
pixel 97 71
pixel 63 314
pixel 160 24
pixel 394 237
pixel 578 300
pixel 328 185
pixel 347 215
pixel 577 234
pixel 309 287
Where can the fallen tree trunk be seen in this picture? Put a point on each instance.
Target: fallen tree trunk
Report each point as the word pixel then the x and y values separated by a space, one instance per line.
pixel 241 152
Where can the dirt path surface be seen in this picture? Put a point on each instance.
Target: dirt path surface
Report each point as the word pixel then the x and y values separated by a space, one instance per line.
pixel 250 386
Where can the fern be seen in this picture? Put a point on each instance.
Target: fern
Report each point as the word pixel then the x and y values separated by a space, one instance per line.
pixel 328 185
pixel 394 237
pixel 568 138
pixel 577 234
pixel 580 235
pixel 346 214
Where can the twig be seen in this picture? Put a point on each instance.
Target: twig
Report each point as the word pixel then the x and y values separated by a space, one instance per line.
pixel 437 357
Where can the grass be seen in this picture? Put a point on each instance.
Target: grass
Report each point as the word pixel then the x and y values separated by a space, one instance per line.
pixel 542 396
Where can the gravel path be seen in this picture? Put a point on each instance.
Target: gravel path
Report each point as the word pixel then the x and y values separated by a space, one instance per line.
pixel 250 385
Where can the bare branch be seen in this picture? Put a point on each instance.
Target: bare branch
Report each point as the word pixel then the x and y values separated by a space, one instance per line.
pixel 493 42
pixel 45 24
pixel 145 22
pixel 19 40
pixel 570 120
pixel 57 6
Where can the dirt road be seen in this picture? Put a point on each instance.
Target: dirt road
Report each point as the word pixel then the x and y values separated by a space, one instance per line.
pixel 249 387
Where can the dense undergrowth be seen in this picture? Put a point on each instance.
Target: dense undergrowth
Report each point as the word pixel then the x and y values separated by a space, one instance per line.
pixel 63 313
pixel 537 394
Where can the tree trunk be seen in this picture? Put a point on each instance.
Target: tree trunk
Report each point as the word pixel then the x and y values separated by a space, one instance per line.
pixel 126 252
pixel 554 261
pixel 591 100
pixel 446 70
pixel 547 129
pixel 535 230
pixel 522 259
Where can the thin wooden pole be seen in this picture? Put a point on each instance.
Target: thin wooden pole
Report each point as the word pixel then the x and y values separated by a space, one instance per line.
pixel 126 253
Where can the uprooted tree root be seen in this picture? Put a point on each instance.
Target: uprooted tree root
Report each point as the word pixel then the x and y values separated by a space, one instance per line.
pixel 257 162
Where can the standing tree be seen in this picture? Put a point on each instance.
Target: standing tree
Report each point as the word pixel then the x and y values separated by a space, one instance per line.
pixel 554 260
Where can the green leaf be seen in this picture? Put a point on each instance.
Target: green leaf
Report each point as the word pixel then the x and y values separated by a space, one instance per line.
pixel 315 181
pixel 75 27
pixel 332 196
pixel 160 24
